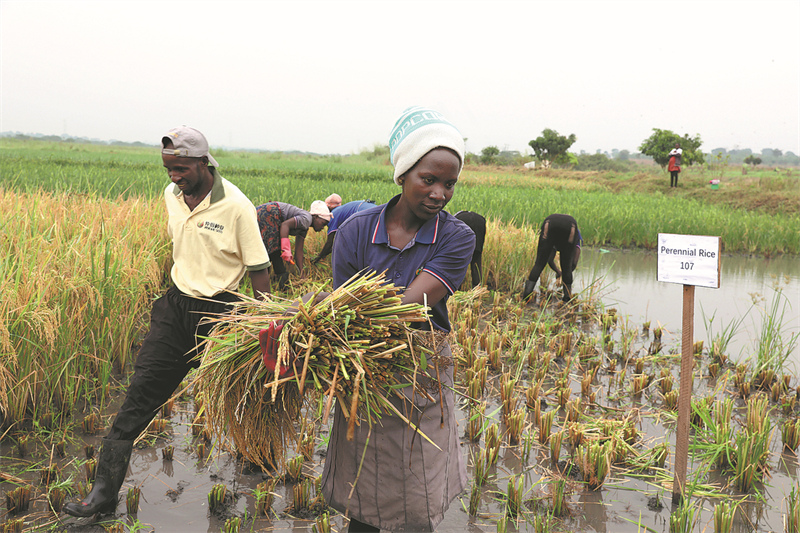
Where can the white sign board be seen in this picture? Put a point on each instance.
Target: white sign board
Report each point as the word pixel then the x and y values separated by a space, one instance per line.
pixel 688 259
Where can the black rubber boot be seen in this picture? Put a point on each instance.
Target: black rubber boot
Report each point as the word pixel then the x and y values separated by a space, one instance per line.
pixel 567 296
pixel 111 469
pixel 528 289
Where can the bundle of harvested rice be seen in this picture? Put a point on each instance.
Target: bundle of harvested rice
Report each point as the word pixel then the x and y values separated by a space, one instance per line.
pixel 355 345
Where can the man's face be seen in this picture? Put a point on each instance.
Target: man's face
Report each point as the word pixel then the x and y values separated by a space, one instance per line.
pixel 186 172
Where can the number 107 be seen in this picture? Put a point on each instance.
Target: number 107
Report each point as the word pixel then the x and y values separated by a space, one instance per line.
pixel 686 265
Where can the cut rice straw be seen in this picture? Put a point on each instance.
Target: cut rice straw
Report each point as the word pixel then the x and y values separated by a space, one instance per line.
pixel 356 345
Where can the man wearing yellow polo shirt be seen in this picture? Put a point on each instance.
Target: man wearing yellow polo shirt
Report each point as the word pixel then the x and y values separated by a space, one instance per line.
pixel 215 240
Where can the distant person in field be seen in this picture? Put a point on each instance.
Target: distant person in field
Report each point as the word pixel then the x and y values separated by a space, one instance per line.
pixel 674 166
pixel 340 214
pixel 277 221
pixel 215 241
pixel 559 233
pixel 333 201
pixel 478 226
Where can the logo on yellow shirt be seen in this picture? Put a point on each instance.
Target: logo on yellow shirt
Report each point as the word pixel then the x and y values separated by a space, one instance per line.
pixel 211 226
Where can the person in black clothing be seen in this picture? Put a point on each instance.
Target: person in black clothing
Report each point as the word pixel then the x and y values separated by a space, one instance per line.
pixel 559 233
pixel 478 226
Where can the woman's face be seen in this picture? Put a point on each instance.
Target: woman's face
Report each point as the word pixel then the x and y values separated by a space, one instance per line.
pixel 317 222
pixel 429 185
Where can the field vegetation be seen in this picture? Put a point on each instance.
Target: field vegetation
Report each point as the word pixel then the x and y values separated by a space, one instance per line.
pixel 755 213
pixel 83 250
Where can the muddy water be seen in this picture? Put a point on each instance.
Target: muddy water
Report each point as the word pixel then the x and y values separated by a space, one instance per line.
pixel 174 493
pixel 631 287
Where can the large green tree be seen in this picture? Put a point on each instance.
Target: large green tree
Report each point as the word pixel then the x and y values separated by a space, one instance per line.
pixel 550 147
pixel 659 144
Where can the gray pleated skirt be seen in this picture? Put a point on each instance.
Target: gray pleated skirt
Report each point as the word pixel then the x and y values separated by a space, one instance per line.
pixel 405 483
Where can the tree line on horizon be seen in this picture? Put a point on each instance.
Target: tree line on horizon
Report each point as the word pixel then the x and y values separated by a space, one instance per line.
pixel 550 148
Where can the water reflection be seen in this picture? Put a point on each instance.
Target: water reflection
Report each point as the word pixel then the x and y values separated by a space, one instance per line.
pixel 631 287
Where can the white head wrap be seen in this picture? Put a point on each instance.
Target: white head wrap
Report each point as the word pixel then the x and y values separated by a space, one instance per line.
pixel 417 132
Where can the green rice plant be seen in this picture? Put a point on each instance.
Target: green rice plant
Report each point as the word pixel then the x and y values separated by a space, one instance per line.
pixel 594 461
pixel 558 503
pixel 502 524
pixel 556 439
pixel 474 500
pixel 532 394
pixel 527 445
pixel 60 448
pixel 22 445
pixel 587 380
pixel 88 451
pixel 83 488
pixel 750 454
pixel 639 383
pixel 480 467
pixel 18 499
pixel 516 425
pixel 508 396
pixel 265 496
pixel 653 458
pixel 576 434
pixel 790 434
pixel 666 382
pixel 791 519
pixel 684 517
pixel 294 468
pixel 301 496
pixel 56 495
pixel 542 523
pixel 514 496
pixel 788 403
pixel 216 498
pixel 14 525
pixel 232 525
pixel 758 420
pixel 574 410
pixel 322 524
pixel 90 469
pixel 723 517
pixel 776 340
pixel 545 424
pixel 200 450
pixel 132 500
pixel 49 474
pixel 492 444
pixel 475 422
pixel 720 341
pixel 168 452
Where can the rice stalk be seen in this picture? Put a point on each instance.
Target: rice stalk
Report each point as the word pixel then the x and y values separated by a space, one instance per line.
pixel 355 345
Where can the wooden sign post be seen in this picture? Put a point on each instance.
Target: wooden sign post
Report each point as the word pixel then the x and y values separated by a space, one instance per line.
pixel 690 260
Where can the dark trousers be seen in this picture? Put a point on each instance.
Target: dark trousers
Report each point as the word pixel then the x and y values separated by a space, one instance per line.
pixel 555 235
pixel 477 224
pixel 167 354
pixel 673 178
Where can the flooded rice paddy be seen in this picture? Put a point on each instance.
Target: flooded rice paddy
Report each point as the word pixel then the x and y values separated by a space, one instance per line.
pixel 598 376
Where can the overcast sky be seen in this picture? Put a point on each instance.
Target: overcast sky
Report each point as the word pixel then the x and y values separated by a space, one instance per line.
pixel 332 77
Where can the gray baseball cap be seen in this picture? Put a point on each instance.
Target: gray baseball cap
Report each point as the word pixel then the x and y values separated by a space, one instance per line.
pixel 187 142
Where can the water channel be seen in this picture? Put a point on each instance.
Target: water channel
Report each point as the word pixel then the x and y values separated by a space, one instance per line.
pixel 630 286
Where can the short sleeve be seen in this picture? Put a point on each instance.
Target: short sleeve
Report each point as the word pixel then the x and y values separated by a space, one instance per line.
pixel 450 262
pixel 344 262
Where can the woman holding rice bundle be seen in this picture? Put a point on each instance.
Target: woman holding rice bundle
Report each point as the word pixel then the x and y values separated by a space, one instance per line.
pixel 388 476
pixel 277 221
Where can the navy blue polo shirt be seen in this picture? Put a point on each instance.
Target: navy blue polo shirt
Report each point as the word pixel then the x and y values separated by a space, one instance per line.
pixel 442 247
pixel 344 211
